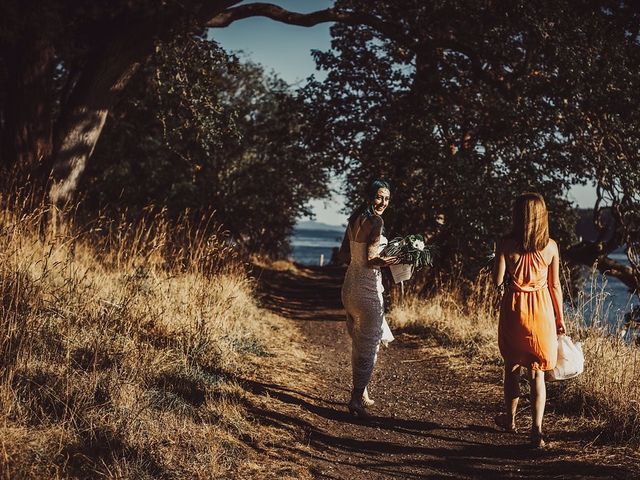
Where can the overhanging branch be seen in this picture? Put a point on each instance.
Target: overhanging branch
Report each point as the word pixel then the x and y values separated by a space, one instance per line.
pixel 390 31
pixel 590 253
pixel 279 14
pixel 622 272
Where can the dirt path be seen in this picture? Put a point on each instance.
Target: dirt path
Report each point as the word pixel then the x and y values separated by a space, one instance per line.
pixel 433 416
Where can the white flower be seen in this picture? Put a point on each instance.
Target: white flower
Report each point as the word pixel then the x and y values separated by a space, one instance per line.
pixel 418 244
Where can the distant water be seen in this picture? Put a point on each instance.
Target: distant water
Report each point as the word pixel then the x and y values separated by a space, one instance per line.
pixel 309 244
pixel 608 295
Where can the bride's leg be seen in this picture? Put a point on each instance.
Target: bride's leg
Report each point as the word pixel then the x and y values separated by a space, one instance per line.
pixel 363 362
pixel 356 392
pixel 350 325
pixel 354 349
pixel 366 400
pixel 363 356
pixel 365 338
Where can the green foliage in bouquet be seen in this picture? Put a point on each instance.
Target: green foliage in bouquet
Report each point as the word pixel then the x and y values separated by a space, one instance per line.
pixel 411 249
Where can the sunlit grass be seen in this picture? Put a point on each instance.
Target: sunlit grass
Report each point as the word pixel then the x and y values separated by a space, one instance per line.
pixel 609 389
pixel 455 317
pixel 120 351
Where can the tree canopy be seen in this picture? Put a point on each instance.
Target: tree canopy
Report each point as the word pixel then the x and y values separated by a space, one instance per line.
pixel 471 103
pixel 64 66
pixel 462 104
pixel 199 130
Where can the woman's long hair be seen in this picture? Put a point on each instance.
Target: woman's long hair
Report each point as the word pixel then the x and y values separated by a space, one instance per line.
pixel 530 222
pixel 367 207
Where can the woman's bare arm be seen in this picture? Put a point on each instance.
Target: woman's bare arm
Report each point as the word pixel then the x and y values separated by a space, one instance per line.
pixel 373 245
pixel 555 289
pixel 499 265
pixel 344 254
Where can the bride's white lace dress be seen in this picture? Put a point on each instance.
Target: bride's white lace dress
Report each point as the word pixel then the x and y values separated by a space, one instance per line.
pixel 362 299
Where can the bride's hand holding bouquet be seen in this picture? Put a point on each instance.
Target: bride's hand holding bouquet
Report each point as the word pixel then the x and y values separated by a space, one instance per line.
pixel 387 261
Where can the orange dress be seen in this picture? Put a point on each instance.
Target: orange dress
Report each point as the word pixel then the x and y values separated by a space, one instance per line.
pixel 527 328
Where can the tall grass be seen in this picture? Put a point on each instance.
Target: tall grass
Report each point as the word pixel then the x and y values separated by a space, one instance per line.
pixel 455 314
pixel 608 391
pixel 119 349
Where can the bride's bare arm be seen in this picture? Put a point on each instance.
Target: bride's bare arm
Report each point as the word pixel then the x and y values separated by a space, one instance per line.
pixel 373 245
pixel 344 254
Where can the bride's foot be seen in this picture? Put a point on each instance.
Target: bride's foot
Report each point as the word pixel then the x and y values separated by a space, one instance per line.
pixel 366 401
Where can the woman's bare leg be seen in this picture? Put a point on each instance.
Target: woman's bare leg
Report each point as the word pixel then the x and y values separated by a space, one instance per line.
pixel 511 393
pixel 538 399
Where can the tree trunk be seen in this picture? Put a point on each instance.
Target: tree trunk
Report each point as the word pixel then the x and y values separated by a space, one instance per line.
pixel 105 75
pixel 84 115
pixel 110 67
pixel 26 133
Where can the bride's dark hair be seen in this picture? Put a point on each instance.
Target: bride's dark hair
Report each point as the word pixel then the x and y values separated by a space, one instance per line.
pixel 370 194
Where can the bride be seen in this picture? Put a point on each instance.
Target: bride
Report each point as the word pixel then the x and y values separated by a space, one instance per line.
pixel 362 290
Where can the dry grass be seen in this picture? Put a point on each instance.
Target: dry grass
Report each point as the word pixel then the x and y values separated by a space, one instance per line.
pixel 463 319
pixel 120 353
pixel 607 392
pixel 609 389
pixel 276 265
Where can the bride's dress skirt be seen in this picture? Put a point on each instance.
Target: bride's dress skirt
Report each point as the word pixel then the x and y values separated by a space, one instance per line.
pixel 362 299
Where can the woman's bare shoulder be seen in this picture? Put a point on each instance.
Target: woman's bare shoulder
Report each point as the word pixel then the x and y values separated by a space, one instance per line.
pixel 552 246
pixel 371 222
pixel 374 225
pixel 376 220
pixel 367 225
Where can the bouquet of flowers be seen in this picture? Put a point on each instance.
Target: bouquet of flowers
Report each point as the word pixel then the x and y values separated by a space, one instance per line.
pixel 414 253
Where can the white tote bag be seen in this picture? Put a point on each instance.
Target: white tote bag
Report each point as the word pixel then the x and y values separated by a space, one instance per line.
pixel 570 360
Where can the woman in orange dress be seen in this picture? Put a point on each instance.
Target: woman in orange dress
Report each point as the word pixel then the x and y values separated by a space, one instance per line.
pixel 531 317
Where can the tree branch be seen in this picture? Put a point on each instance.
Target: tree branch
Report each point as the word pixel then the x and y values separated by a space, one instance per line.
pixel 622 272
pixel 279 14
pixel 588 253
pixel 274 12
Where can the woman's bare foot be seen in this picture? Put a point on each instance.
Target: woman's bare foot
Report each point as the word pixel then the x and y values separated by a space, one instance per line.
pixel 507 424
pixel 537 440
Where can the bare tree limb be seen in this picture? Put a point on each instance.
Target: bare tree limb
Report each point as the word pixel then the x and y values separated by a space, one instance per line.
pixel 274 12
pixel 590 253
pixel 279 14
pixel 618 270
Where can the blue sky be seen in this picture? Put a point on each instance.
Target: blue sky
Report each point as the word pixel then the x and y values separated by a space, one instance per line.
pixel 286 49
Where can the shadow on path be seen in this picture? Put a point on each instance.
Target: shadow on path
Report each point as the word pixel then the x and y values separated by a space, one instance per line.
pixel 446 455
pixel 311 294
pixel 429 421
